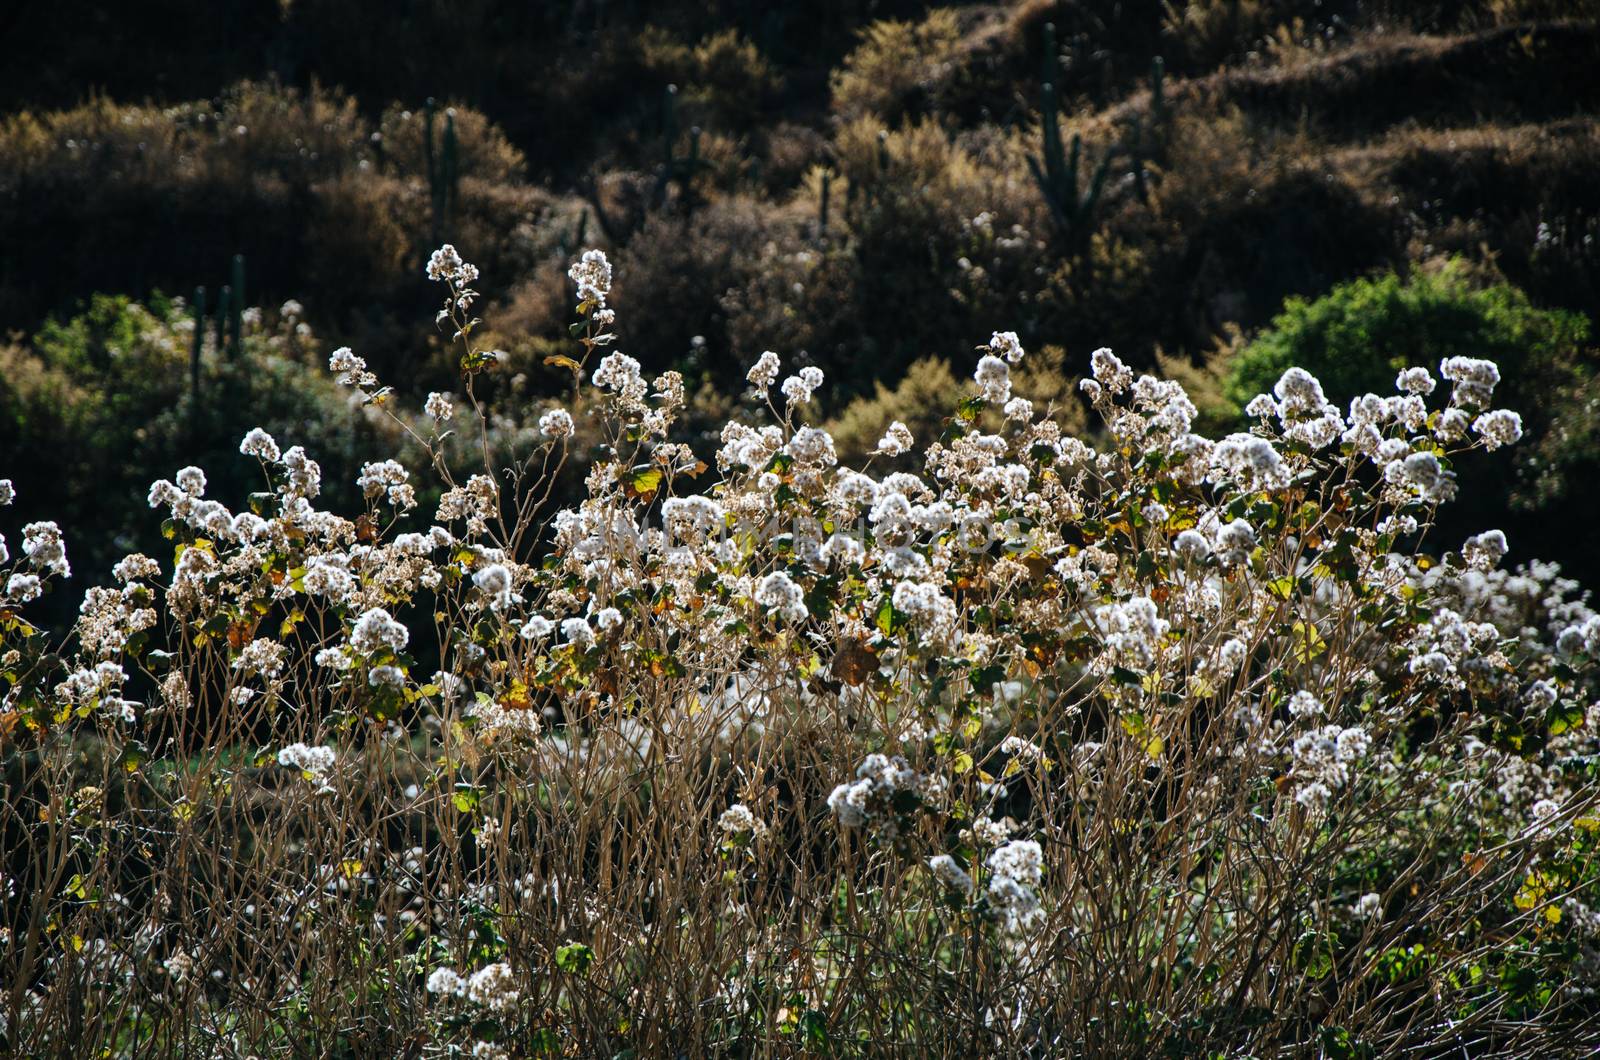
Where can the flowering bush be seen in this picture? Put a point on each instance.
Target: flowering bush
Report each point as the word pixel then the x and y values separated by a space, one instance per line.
pixel 1167 745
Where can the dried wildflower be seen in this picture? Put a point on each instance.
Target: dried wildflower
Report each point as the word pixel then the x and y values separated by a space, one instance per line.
pixel 376 630
pixel 259 444
pixel 556 423
pixel 993 379
pixel 1006 344
pixel 438 407
pixel 592 275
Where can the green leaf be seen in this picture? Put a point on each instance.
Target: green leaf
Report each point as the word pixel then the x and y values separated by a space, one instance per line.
pixel 1308 643
pixel 886 618
pixel 1563 717
pixel 646 481
pixel 466 798
pixel 814 1025
pixel 134 754
pixel 574 958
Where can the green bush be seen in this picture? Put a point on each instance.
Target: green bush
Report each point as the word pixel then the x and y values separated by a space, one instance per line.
pixel 101 405
pixel 1360 334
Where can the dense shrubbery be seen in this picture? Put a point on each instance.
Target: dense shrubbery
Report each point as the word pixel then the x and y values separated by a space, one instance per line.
pixel 1363 332
pixel 854 190
pixel 560 701
pixel 100 398
pixel 1005 745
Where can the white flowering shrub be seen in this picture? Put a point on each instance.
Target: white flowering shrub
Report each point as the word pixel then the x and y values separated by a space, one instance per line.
pixel 1162 745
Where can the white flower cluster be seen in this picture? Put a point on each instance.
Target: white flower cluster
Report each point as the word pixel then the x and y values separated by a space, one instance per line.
pixel 1109 374
pixel 764 372
pixel 950 874
pixel 1132 630
pixel 445 265
pixel 376 630
pixel 315 763
pixel 493 986
pixel 556 423
pixel 592 274
pixel 798 388
pixel 739 820
pixel 1322 762
pixel 896 441
pixel 44 547
pixel 351 370
pixel 1448 647
pixel 1016 869
pixel 1250 462
pixel 387 476
pixel 438 407
pixel 620 374
pixel 259 444
pixel 994 379
pixel 494 581
pixel 1474 380
pixel 1006 344
pixel 778 593
pixel 1484 551
pixel 869 800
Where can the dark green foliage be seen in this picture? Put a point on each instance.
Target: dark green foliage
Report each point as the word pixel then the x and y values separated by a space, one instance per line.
pixel 1060 183
pixel 1360 334
pixel 1358 337
pixel 102 405
pixel 196 350
pixel 236 314
pixel 846 184
pixel 444 172
pixel 824 192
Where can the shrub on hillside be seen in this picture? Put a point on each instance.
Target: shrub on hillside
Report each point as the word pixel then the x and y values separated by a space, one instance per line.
pixel 898 68
pixel 1176 747
pixel 131 197
pixel 103 395
pixel 1364 332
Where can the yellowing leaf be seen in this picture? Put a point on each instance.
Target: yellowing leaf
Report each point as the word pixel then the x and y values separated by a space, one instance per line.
pixel 1308 643
pixel 644 483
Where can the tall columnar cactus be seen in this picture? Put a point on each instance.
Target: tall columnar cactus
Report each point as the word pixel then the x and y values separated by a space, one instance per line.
pixel 1158 90
pixel 1058 174
pixel 676 170
pixel 823 194
pixel 691 165
pixel 669 127
pixel 581 230
pixel 236 316
pixel 196 347
pixel 1145 140
pixel 444 170
pixel 224 307
pixel 571 241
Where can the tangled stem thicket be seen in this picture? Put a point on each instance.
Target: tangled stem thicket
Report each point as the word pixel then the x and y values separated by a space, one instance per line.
pixel 1162 746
